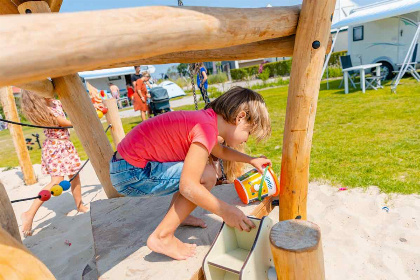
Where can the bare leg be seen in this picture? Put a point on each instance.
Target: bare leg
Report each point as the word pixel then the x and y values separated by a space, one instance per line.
pixel 163 240
pixel 76 190
pixel 28 216
pixel 143 116
pixel 191 220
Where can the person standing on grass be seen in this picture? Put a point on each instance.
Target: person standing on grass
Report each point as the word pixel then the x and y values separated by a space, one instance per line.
pixel 59 157
pixel 136 76
pixel 130 93
pixel 202 81
pixel 141 95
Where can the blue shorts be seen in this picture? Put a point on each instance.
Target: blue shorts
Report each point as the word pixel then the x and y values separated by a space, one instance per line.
pixel 155 179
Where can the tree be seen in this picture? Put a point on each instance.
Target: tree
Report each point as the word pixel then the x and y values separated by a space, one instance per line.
pixel 172 72
pixel 182 69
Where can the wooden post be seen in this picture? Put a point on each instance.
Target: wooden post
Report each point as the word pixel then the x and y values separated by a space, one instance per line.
pixel 43 88
pixel 83 116
pixel 7 215
pixel 16 262
pixel 113 118
pixel 311 43
pixel 10 111
pixel 88 128
pixel 297 250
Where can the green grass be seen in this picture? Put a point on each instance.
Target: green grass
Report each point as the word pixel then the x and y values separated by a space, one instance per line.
pixel 359 139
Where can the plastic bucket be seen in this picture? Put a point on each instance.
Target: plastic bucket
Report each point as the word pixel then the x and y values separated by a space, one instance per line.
pixel 248 184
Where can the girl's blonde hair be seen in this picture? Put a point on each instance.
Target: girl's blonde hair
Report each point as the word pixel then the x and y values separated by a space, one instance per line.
pixel 229 105
pixel 36 110
pixel 238 99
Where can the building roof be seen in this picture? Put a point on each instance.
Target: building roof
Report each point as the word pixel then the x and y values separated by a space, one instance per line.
pixel 379 11
pixel 103 73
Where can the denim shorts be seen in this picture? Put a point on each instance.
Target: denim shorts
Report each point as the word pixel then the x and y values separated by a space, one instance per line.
pixel 155 179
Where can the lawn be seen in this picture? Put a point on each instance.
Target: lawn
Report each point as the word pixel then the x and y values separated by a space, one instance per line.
pixel 359 139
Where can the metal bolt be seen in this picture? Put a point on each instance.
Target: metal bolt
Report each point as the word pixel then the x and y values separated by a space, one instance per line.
pixel 298 217
pixel 28 11
pixel 316 44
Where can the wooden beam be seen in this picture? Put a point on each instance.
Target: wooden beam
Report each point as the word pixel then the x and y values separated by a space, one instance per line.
pixel 7 215
pixel 43 88
pixel 277 47
pixel 16 262
pixel 29 7
pixel 88 128
pixel 55 5
pixel 308 57
pixel 297 250
pixel 113 118
pixel 7 7
pixel 62 44
pixel 7 100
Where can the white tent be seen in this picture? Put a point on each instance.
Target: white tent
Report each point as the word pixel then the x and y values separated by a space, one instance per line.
pixel 173 89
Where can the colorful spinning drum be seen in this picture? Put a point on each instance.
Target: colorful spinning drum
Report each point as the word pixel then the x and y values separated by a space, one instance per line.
pixel 247 185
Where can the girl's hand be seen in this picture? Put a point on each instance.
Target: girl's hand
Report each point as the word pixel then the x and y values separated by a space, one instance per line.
pixel 260 163
pixel 236 218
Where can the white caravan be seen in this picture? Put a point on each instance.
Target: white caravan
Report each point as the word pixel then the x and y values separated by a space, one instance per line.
pixel 382 32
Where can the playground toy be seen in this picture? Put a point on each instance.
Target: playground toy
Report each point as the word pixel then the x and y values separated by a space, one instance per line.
pixel 253 186
pixel 239 254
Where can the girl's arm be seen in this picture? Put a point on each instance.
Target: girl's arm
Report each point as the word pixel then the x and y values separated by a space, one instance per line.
pixel 204 77
pixel 191 188
pixel 230 154
pixel 63 121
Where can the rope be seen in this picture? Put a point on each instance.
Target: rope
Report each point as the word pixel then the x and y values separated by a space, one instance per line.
pixel 71 179
pixel 37 126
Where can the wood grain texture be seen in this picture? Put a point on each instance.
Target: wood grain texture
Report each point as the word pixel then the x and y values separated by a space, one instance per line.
pixel 8 8
pixel 55 5
pixel 43 88
pixel 297 250
pixel 90 40
pixel 33 7
pixel 7 215
pixel 82 114
pixel 113 118
pixel 16 262
pixel 7 100
pixel 314 25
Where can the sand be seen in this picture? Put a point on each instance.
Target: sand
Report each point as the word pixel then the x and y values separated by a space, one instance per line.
pixel 360 239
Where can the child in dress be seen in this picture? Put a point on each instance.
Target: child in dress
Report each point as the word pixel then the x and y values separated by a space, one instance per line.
pixel 169 154
pixel 59 157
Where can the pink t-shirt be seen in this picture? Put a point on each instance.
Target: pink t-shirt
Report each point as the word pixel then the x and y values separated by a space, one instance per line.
pixel 168 137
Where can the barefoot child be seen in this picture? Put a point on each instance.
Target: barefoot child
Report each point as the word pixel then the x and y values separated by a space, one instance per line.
pixel 169 154
pixel 59 157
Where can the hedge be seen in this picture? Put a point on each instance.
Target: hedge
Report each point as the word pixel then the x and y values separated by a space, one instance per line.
pixel 281 68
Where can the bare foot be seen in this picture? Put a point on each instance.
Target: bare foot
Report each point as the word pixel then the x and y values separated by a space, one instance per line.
pixel 26 224
pixel 193 222
pixel 82 208
pixel 170 246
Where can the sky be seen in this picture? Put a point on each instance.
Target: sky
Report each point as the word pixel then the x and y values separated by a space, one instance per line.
pixel 90 5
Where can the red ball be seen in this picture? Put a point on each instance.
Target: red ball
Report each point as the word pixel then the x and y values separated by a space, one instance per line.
pixel 105 110
pixel 44 195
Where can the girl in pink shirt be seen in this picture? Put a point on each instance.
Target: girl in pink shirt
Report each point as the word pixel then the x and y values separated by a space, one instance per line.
pixel 169 154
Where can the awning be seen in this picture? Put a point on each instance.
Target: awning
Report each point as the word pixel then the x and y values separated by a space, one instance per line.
pixel 379 11
pixel 103 73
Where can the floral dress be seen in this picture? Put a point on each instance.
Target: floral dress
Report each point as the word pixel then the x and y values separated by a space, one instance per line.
pixel 59 157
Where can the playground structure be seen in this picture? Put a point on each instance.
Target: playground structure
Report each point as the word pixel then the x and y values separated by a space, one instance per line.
pixel 51 46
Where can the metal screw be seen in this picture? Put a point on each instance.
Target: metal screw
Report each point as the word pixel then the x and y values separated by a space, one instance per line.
pixel 316 44
pixel 28 11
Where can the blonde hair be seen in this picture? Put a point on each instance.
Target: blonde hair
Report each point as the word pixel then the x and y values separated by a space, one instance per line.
pixel 36 110
pixel 144 73
pixel 238 99
pixel 229 105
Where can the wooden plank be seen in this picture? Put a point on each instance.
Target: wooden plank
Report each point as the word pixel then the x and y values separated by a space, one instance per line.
pixel 88 127
pixel 55 5
pixel 7 100
pixel 33 7
pixel 121 226
pixel 7 7
pixel 85 40
pixel 7 215
pixel 43 88
pixel 308 57
pixel 16 262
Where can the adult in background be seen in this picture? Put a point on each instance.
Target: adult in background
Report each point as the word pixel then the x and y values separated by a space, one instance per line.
pixel 141 95
pixel 115 92
pixel 202 81
pixel 135 76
